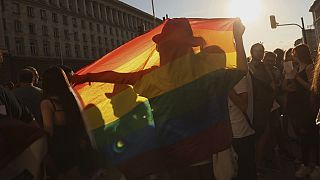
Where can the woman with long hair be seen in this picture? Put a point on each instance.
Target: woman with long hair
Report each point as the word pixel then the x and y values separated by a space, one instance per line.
pixel 304 116
pixel 63 121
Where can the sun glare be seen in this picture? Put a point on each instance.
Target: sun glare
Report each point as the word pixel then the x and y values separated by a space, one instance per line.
pixel 247 10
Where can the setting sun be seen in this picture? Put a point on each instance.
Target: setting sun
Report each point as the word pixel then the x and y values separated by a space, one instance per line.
pixel 247 10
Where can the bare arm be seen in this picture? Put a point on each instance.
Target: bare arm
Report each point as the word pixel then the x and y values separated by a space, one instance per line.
pixel 47 116
pixel 111 77
pixel 240 100
pixel 238 30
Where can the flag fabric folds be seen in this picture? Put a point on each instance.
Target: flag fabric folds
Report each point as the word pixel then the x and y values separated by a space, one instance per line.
pixel 175 113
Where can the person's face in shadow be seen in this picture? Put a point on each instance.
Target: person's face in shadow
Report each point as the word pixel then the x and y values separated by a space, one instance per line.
pixel 269 60
pixel 171 50
pixel 258 53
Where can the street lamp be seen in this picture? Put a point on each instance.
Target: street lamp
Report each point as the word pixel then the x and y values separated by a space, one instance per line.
pixel 154 15
pixel 274 24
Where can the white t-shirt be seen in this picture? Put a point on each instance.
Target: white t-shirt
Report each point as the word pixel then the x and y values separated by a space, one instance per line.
pixel 240 126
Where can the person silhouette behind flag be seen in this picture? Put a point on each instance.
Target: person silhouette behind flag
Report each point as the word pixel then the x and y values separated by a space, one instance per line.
pixel 191 120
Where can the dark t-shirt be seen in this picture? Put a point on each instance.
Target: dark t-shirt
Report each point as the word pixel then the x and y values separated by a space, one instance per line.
pixel 9 104
pixel 30 96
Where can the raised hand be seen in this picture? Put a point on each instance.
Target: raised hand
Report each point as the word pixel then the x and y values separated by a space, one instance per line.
pixel 238 29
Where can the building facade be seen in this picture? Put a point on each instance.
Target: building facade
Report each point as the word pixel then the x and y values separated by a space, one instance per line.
pixel 41 33
pixel 315 10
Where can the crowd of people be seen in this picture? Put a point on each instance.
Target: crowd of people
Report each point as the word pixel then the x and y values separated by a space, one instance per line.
pixel 279 93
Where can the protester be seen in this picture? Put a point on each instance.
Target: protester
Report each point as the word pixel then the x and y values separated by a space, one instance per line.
pixel 243 133
pixel 28 94
pixel 63 121
pixel 304 116
pixel 315 104
pixel 279 59
pixel 288 88
pixel 172 45
pixel 263 97
pixel 274 127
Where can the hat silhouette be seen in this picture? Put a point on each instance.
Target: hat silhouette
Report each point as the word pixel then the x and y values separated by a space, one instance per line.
pixel 178 30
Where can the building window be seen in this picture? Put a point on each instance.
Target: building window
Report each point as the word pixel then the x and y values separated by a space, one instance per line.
pixel 76 36
pixel 112 43
pixel 65 20
pixel 117 32
pixel 98 27
pixel 83 24
pixel 43 14
pixel 45 30
pixel 93 52
pixel 7 44
pixel 2 5
pixel 56 32
pixel 77 50
pixel 33 48
pixel 101 52
pixel 105 29
pixel 46 48
pixel 111 30
pixel 57 49
pixel 99 39
pixel 84 37
pixel 85 51
pixel 90 25
pixel 66 34
pixel 68 50
pixel 54 17
pixel 17 26
pixel 106 41
pixel 30 11
pixel 16 8
pixel 32 28
pixel 4 24
pixel 92 38
pixel 74 22
pixel 20 46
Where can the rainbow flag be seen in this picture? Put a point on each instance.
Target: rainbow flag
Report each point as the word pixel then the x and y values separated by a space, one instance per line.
pixel 175 113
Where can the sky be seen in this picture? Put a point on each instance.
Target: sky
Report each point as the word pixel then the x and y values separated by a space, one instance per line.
pixel 254 14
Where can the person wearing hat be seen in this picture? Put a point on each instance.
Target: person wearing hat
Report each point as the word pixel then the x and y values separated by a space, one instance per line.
pixel 176 41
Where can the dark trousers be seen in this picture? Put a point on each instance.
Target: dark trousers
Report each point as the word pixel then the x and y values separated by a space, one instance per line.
pixel 244 147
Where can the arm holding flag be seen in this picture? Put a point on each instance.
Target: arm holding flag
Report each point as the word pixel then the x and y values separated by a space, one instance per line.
pixel 112 77
pixel 238 30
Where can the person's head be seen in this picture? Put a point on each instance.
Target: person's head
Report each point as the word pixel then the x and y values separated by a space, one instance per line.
pixel 68 71
pixel 119 93
pixel 301 54
pixel 257 51
pixel 288 55
pixel 35 73
pixel 26 76
pixel 176 39
pixel 55 82
pixel 280 56
pixel 269 59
